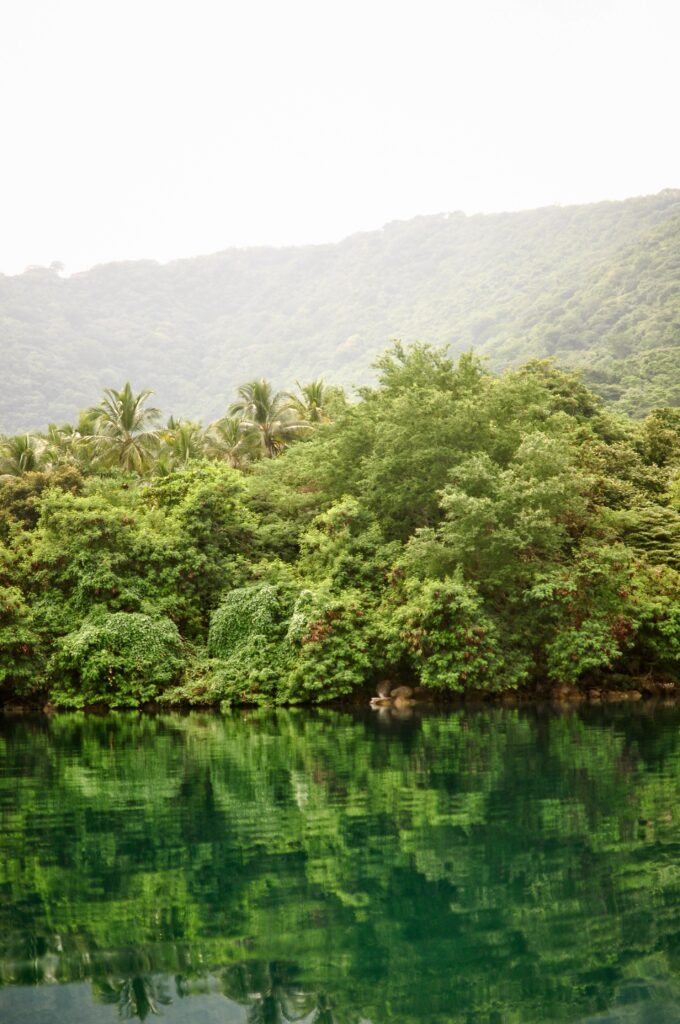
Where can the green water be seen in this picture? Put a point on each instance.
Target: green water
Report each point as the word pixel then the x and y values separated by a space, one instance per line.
pixel 485 867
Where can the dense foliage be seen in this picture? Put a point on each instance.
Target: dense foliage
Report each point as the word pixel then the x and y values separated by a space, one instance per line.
pixel 596 286
pixel 463 530
pixel 480 866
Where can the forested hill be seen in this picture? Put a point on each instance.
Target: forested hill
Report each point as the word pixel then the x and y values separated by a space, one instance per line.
pixel 596 286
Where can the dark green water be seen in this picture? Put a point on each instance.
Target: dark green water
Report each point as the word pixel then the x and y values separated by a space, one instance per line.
pixel 490 867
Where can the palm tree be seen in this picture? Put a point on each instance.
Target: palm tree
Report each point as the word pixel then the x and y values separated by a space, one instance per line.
pixel 227 441
pixel 125 432
pixel 182 441
pixel 21 454
pixel 310 403
pixel 60 443
pixel 67 445
pixel 267 415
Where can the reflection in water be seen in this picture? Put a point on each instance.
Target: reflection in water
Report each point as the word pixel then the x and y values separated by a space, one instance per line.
pixel 272 996
pixel 489 867
pixel 135 997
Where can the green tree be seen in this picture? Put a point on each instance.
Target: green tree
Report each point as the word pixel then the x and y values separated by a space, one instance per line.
pixel 120 658
pixel 182 441
pixel 227 441
pixel 316 402
pixel 21 454
pixel 125 430
pixel 267 416
pixel 20 647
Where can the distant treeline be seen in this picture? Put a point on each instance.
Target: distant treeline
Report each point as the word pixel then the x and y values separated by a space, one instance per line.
pixel 594 286
pixel 455 528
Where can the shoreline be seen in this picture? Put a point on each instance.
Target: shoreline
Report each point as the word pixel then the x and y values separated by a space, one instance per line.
pixel 647 693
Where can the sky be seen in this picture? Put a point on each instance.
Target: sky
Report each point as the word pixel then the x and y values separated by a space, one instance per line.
pixel 167 128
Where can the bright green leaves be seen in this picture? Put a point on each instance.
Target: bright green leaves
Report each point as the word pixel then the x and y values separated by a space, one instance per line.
pixel 246 613
pixel 20 661
pixel 167 551
pixel 450 641
pixel 247 649
pixel 657 642
pixel 654 530
pixel 120 659
pixel 270 644
pixel 336 643
pixel 345 546
pixel 453 528
pixel 607 610
pixel 499 523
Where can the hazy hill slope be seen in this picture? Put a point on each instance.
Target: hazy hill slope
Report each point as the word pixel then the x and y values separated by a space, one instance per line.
pixel 595 285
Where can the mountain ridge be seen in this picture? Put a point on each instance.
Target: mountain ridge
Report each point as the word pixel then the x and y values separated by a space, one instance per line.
pixel 595 286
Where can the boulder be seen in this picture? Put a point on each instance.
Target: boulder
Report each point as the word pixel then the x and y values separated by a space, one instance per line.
pixel 566 693
pixel 404 692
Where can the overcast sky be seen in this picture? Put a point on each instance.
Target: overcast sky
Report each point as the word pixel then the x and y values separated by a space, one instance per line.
pixel 166 128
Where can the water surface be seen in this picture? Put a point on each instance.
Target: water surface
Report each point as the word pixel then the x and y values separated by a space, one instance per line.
pixel 478 867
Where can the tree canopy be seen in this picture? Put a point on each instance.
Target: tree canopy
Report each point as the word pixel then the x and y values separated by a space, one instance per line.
pixel 453 528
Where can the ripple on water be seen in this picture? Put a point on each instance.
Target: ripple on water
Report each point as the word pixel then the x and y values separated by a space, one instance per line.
pixel 480 867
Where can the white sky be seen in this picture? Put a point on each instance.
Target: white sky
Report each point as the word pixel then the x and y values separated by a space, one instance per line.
pixel 166 128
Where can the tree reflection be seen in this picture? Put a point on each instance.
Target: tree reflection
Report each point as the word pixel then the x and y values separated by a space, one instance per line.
pixel 137 996
pixel 272 995
pixel 315 868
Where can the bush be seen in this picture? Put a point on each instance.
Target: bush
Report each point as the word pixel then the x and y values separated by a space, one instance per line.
pixel 120 659
pixel 269 644
pixel 245 613
pixel 449 640
pixel 334 646
pixel 20 662
pixel 247 644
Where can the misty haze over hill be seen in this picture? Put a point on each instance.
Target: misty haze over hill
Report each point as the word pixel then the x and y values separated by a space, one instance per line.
pixel 595 286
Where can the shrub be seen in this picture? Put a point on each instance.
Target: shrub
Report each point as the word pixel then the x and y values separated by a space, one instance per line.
pixel 334 646
pixel 120 659
pixel 450 641
pixel 247 644
pixel 268 644
pixel 20 661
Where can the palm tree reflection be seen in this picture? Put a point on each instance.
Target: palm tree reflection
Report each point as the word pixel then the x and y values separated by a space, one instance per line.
pixel 273 996
pixel 137 996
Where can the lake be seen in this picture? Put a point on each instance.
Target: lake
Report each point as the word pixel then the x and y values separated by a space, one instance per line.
pixel 492 866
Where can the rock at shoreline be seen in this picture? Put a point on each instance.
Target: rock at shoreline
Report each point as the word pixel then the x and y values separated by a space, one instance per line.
pixel 402 693
pixel 566 693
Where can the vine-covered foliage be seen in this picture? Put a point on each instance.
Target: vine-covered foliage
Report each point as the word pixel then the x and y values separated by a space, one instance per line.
pixel 116 658
pixel 452 528
pixel 247 636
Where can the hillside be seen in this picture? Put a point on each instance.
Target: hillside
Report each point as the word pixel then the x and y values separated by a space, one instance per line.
pixel 596 286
